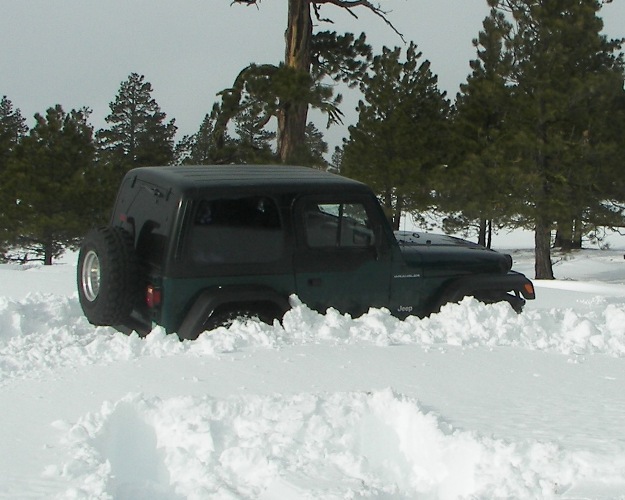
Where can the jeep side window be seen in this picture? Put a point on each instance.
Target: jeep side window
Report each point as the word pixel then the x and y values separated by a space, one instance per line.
pixel 343 225
pixel 236 230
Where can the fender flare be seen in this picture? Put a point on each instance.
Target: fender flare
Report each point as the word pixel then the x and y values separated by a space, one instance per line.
pixel 212 299
pixel 500 285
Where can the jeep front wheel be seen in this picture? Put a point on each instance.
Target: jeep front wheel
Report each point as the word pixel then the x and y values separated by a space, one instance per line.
pixel 107 276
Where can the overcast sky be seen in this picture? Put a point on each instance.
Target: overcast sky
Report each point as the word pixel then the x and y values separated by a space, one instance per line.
pixel 77 52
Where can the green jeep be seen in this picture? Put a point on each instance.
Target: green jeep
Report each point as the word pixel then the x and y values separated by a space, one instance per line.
pixel 191 248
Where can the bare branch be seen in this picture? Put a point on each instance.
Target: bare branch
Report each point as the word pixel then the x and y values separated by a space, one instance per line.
pixel 351 4
pixel 323 19
pixel 246 2
pixel 348 5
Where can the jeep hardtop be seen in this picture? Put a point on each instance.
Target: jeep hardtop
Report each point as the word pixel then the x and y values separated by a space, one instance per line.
pixel 190 248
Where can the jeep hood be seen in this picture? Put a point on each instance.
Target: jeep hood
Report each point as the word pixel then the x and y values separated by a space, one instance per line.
pixel 439 254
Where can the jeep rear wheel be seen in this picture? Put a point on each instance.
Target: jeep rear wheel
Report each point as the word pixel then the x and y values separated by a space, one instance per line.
pixel 228 317
pixel 107 276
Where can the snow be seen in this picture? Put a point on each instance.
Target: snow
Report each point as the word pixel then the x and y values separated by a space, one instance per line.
pixel 473 402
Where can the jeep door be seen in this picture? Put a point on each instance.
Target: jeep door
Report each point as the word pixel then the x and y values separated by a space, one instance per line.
pixel 342 258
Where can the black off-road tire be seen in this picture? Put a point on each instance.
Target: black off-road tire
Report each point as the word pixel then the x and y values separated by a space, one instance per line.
pixel 227 317
pixel 108 281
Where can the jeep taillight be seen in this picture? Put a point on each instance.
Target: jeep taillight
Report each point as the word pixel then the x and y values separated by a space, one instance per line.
pixel 153 296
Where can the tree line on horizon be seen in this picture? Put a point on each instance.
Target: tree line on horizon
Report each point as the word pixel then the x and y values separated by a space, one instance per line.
pixel 533 139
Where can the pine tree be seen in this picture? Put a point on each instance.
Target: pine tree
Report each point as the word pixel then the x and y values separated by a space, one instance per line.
pixel 253 142
pixel 399 142
pixel 201 148
pixel 566 81
pixel 479 179
pixel 285 92
pixel 212 145
pixel 316 147
pixel 50 203
pixel 138 134
pixel 12 129
pixel 304 65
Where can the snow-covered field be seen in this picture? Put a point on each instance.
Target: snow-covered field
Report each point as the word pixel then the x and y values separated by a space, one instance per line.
pixel 474 402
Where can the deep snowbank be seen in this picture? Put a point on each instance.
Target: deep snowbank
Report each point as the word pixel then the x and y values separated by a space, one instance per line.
pixel 350 445
pixel 43 332
pixel 473 402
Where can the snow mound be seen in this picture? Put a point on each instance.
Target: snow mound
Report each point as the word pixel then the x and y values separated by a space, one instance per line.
pixel 42 332
pixel 342 445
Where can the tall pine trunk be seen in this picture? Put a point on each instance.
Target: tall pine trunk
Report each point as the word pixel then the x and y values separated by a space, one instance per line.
pixel 397 212
pixel 48 248
pixel 542 234
pixel 569 234
pixel 485 234
pixel 293 116
pixel 481 235
pixel 542 249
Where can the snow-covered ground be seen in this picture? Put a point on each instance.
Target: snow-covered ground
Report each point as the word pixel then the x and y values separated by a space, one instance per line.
pixel 474 402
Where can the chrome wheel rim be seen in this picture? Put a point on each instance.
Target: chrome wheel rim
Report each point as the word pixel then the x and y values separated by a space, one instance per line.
pixel 91 276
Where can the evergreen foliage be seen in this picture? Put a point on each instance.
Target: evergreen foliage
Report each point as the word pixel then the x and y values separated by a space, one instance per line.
pixel 316 147
pixel 48 202
pixel 254 142
pixel 534 138
pixel 138 133
pixel 203 147
pixel 479 179
pixel 212 145
pixel 399 144
pixel 567 86
pixel 250 144
pixel 12 129
pixel 263 92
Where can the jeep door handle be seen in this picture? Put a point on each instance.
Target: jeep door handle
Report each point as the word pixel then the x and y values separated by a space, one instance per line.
pixel 314 281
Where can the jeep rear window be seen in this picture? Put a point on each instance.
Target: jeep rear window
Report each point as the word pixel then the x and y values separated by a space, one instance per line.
pixel 236 230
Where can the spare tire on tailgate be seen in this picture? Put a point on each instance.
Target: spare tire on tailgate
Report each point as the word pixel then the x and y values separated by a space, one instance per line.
pixel 107 276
